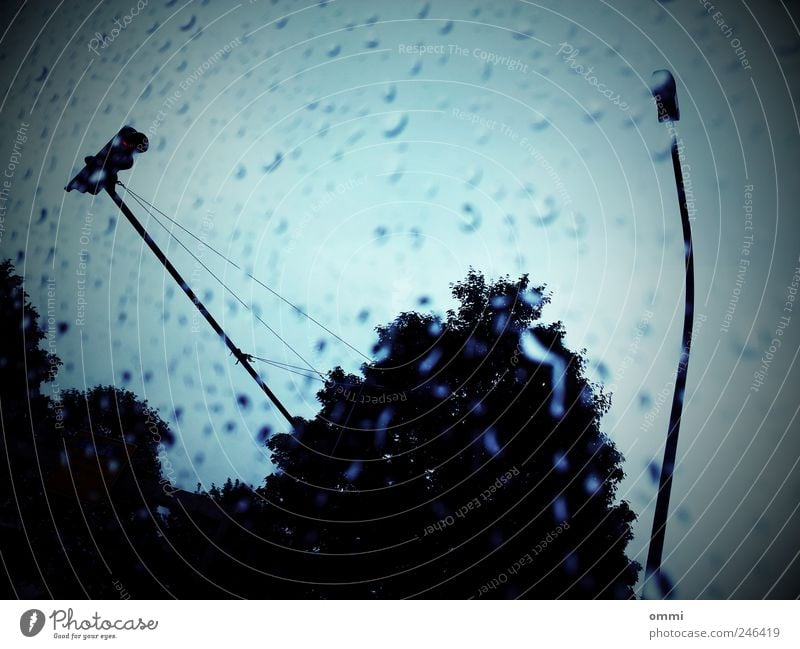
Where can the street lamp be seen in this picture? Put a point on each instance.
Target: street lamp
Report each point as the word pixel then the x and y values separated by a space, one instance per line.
pixel 665 95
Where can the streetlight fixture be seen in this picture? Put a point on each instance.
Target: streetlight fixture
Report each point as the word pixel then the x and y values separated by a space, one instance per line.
pixel 665 95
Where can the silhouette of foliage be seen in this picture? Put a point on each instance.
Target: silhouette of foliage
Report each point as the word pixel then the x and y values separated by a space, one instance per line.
pixel 80 491
pixel 133 436
pixel 467 460
pixel 24 366
pixel 442 466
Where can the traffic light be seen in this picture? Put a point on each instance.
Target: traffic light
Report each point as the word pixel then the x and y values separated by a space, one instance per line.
pixel 100 171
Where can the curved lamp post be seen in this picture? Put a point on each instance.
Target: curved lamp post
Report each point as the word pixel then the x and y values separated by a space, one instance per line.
pixel 666 99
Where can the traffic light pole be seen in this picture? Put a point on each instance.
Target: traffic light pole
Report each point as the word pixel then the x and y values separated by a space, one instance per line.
pixel 240 356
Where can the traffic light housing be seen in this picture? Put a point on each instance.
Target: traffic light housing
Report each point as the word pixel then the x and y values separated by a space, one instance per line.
pixel 100 171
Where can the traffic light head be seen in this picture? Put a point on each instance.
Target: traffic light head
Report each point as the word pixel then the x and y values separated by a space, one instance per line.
pixel 100 171
pixel 124 146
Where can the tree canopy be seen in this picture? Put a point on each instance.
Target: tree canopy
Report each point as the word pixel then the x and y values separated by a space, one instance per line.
pixel 81 478
pixel 466 460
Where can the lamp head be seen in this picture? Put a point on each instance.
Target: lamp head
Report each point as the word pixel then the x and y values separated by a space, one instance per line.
pixel 666 96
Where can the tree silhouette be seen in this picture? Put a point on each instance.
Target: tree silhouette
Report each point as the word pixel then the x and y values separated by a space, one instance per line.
pixel 80 477
pixel 24 366
pixel 124 438
pixel 467 461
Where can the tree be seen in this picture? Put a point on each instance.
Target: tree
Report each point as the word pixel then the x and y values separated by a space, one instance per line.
pixel 126 434
pixel 467 461
pixel 24 366
pixel 80 475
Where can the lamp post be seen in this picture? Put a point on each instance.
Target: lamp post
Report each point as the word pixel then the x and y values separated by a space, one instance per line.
pixel 666 98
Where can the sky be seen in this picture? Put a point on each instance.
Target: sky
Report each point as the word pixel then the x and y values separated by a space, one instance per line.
pixel 359 157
